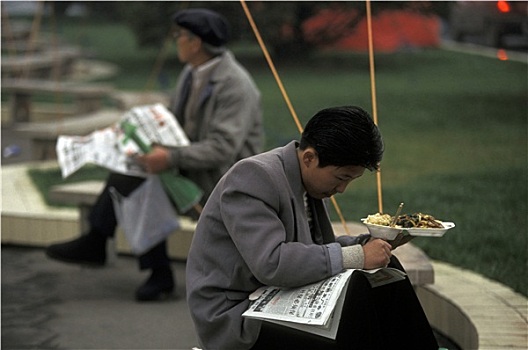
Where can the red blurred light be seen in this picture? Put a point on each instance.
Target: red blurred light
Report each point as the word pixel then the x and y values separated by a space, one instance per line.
pixel 502 55
pixel 503 6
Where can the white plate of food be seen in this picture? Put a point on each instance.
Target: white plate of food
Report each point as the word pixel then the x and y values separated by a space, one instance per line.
pixel 381 231
pixel 431 232
pixel 379 225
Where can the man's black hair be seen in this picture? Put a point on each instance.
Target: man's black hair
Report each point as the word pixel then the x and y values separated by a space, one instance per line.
pixel 344 136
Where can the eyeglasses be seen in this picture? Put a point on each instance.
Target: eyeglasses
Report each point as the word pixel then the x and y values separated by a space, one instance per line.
pixel 181 32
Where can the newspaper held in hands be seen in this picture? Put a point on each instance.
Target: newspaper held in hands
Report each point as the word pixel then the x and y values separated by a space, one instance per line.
pixel 314 308
pixel 111 149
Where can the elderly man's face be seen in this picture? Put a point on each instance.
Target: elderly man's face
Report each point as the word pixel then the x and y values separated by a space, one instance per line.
pixel 188 45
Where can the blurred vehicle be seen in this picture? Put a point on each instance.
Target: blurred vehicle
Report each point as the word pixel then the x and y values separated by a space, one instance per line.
pixel 495 23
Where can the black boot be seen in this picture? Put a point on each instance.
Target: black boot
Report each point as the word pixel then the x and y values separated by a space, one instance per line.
pixel 159 285
pixel 88 249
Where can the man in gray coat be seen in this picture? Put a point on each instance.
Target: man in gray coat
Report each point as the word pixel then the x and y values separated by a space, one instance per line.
pixel 266 224
pixel 218 105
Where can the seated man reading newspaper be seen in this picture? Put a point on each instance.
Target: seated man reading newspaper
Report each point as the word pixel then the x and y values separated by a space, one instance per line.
pixel 218 106
pixel 265 224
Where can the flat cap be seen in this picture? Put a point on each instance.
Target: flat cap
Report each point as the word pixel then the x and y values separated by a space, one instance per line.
pixel 210 26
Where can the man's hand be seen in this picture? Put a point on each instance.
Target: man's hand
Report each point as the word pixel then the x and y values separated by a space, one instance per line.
pixel 156 160
pixel 377 254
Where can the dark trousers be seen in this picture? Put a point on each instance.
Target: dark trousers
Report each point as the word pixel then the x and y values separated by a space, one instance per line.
pixel 103 219
pixel 385 317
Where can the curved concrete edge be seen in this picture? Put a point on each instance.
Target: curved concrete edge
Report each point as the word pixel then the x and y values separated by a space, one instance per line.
pixel 474 311
pixel 447 317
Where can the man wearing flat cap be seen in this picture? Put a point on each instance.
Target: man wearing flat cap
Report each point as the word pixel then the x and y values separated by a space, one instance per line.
pixel 218 105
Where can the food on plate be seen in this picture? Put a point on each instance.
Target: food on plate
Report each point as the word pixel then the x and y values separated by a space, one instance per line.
pixel 416 220
pixel 379 219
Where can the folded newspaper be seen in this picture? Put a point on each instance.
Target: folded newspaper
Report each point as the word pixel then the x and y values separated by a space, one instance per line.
pixel 314 308
pixel 111 148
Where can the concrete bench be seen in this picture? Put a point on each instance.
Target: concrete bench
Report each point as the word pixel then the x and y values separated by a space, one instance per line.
pixel 21 47
pixel 43 135
pixel 30 66
pixel 84 194
pixel 15 30
pixel 37 61
pixel 87 97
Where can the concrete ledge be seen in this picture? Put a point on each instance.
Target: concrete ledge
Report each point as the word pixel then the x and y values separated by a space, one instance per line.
pixel 80 124
pixel 44 135
pixel 79 193
pixel 43 230
pixel 87 97
pixel 475 312
pixel 448 317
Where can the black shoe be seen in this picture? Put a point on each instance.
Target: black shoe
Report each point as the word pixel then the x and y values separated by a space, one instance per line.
pixel 159 285
pixel 89 249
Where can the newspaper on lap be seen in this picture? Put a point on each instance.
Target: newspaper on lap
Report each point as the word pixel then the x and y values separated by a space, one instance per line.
pixel 110 148
pixel 314 308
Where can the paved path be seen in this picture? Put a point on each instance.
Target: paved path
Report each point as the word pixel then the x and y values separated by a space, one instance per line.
pixel 51 305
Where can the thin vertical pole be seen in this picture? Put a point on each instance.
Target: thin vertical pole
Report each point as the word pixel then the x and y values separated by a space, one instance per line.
pixel 373 93
pixel 285 95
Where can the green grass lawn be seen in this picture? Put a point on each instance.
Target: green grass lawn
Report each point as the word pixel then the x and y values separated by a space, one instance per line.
pixel 455 129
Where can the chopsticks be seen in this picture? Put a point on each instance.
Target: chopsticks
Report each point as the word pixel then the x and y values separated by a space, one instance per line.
pixel 398 211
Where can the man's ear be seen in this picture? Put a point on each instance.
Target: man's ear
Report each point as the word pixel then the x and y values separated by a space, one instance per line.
pixel 309 157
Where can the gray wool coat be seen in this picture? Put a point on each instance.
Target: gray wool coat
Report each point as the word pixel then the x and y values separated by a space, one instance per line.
pixel 229 124
pixel 254 231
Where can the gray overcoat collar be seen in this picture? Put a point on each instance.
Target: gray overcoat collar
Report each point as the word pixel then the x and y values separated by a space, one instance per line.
pixel 323 228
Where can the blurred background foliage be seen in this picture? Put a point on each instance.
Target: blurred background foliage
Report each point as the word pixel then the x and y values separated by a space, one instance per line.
pixel 281 20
